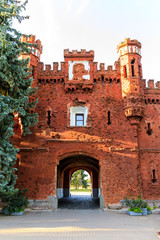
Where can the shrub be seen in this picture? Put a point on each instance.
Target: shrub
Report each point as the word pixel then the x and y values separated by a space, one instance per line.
pixel 16 201
pixel 149 208
pixel 135 203
pixel 136 209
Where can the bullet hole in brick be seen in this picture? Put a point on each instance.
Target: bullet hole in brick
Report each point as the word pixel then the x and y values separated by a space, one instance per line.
pixel 157 101
pixel 54 80
pixel 145 101
pixel 39 80
pixel 110 80
pixel 62 79
pixel 154 176
pixel 153 101
pixel 109 117
pixel 102 77
pixel 118 80
pixel 48 117
pixel 47 81
pixel 149 130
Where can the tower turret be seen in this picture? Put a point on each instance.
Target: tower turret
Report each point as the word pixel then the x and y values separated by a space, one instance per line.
pixel 34 55
pixel 36 50
pixel 131 79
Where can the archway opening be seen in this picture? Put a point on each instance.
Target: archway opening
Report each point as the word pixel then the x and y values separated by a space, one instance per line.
pixel 80 183
pixel 66 168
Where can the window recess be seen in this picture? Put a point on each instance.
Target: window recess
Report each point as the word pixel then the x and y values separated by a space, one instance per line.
pixel 78 116
pixel 132 67
pixel 154 176
pixel 48 117
pixel 149 129
pixel 125 71
pixel 109 117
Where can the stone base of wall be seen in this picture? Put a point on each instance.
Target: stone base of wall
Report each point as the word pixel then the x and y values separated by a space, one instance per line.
pixel 101 202
pixel 50 203
pixel 59 192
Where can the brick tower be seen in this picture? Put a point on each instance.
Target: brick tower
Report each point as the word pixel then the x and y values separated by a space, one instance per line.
pixel 34 55
pixel 131 79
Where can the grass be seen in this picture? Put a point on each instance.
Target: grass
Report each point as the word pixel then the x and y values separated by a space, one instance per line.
pixel 79 190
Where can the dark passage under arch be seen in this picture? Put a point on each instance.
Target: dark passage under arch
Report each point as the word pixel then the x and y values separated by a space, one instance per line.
pixel 65 170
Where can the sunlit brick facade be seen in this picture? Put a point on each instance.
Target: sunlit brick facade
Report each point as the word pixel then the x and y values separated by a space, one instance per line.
pixel 103 120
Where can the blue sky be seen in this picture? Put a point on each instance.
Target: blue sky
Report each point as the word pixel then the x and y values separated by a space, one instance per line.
pixel 97 25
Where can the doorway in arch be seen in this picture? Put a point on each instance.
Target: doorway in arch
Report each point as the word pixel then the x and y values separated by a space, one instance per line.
pixel 65 169
pixel 80 183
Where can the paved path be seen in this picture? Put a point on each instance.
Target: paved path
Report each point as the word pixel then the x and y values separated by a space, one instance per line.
pixel 79 202
pixel 80 194
pixel 79 225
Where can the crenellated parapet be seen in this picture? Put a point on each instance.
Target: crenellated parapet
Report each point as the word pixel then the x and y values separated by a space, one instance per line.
pixel 78 54
pixel 78 71
pixel 151 91
pixel 109 69
pixel 51 74
pixel 109 74
pixel 44 69
pixel 151 85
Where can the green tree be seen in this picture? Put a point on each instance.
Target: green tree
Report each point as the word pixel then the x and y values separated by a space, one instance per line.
pixel 15 89
pixel 79 179
pixel 76 180
pixel 83 179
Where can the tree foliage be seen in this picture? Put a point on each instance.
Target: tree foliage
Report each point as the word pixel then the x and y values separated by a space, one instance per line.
pixel 79 179
pixel 15 88
pixel 16 201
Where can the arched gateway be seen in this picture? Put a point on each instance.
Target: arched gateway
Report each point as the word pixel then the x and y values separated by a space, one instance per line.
pixel 72 163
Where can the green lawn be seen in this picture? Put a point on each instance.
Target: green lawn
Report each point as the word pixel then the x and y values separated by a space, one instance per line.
pixel 79 190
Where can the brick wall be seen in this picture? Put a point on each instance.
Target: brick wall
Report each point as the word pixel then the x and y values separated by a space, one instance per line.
pixel 125 153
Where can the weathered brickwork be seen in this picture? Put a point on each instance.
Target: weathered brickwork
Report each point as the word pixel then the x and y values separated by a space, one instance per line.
pixel 103 120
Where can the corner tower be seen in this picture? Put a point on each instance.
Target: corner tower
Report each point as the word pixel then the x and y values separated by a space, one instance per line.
pixel 34 55
pixel 131 79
